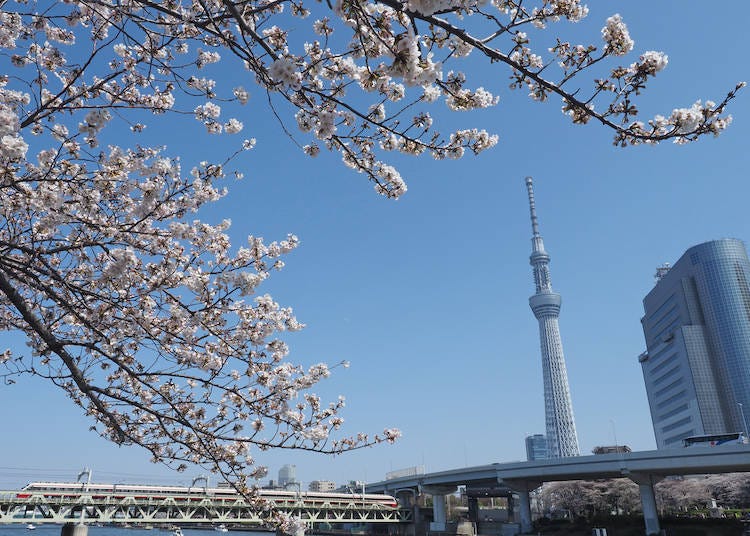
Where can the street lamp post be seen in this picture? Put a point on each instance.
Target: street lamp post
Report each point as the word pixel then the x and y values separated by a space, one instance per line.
pixel 80 529
pixel 298 495
pixel 744 422
pixel 84 487
pixel 614 431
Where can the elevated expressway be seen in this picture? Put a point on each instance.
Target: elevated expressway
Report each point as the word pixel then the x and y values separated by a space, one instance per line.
pixel 645 468
pixel 127 508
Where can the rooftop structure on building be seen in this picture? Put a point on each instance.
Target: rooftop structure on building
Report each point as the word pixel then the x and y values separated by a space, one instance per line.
pixel 562 439
pixel 696 323
pixel 353 486
pixel 611 449
pixel 408 471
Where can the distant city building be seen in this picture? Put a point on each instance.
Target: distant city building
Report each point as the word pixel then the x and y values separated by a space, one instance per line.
pixel 562 439
pixel 696 323
pixel 536 447
pixel 287 475
pixel 612 449
pixel 322 485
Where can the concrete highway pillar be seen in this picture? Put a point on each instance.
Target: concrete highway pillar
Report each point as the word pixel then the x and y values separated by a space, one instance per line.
pixel 648 500
pixel 473 509
pixel 523 488
pixel 473 504
pixel 524 511
pixel 406 497
pixel 648 503
pixel 439 518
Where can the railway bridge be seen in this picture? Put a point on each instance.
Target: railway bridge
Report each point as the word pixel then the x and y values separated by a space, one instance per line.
pixel 198 509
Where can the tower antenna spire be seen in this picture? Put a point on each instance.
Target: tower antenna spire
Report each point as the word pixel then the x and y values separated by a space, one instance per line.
pixel 562 439
pixel 532 206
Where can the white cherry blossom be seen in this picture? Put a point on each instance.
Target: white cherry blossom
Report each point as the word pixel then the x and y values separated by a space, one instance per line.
pixel 617 37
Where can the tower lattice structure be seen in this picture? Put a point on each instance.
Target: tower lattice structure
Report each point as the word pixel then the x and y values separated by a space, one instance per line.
pixel 562 440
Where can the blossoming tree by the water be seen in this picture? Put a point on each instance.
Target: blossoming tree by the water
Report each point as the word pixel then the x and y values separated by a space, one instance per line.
pixel 149 319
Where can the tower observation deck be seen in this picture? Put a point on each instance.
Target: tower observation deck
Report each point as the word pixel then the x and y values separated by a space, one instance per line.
pixel 562 439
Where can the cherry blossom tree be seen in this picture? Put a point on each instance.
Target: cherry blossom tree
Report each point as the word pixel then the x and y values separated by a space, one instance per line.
pixel 148 318
pixel 729 490
pixel 675 496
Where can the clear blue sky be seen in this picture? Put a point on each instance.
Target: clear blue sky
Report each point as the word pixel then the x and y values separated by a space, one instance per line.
pixel 427 296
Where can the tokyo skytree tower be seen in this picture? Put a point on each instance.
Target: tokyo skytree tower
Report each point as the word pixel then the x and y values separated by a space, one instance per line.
pixel 562 440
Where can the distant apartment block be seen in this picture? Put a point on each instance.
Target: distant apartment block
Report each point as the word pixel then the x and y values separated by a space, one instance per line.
pixel 536 447
pixel 322 485
pixel 696 323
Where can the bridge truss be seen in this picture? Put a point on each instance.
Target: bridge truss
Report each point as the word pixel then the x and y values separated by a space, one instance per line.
pixel 167 511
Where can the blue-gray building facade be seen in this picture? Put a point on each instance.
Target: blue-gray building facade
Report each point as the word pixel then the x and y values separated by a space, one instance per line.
pixel 536 447
pixel 696 323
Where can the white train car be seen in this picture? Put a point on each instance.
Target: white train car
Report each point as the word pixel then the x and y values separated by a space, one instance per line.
pixel 181 494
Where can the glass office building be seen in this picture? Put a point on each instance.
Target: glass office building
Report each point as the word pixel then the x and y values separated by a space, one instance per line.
pixel 536 447
pixel 697 328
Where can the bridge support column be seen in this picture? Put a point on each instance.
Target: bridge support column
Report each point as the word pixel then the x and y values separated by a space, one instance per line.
pixel 511 508
pixel 406 497
pixel 74 529
pixel 523 488
pixel 524 511
pixel 439 517
pixel 648 503
pixel 473 504
pixel 648 500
